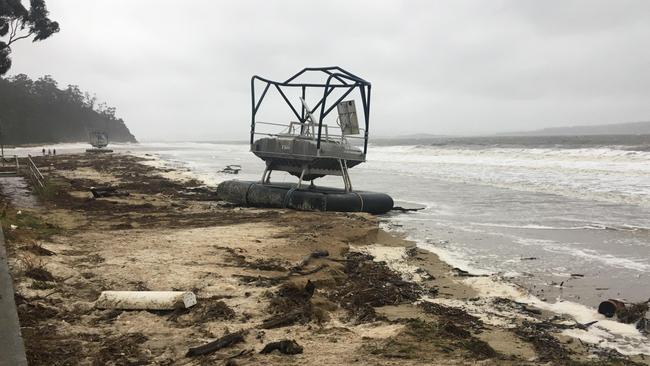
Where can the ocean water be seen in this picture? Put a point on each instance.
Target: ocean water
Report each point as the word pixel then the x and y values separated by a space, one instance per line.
pixel 566 218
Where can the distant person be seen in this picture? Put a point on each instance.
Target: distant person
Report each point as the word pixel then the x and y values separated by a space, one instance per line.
pixel 43 151
pixel 49 152
pixel 54 152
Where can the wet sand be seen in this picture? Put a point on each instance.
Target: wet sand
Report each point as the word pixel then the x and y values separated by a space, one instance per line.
pixel 346 291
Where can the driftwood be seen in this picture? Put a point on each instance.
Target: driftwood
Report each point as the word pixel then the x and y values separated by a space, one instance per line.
pixel 283 320
pixel 320 253
pixel 225 341
pixel 99 192
pixel 230 360
pixel 277 279
pixel 402 209
pixel 287 346
pixel 312 271
pixel 463 273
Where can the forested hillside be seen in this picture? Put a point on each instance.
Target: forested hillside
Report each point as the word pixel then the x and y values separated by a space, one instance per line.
pixel 37 111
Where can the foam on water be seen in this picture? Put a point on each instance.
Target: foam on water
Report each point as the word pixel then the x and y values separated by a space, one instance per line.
pixel 588 254
pixel 602 174
pixel 625 338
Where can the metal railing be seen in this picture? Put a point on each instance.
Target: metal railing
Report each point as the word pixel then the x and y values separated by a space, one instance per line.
pixel 293 129
pixel 35 173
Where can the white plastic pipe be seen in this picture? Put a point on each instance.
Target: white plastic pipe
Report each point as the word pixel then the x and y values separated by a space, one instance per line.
pixel 145 300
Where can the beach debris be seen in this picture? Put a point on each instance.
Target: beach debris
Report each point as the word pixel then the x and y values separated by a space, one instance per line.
pixel 463 273
pixel 145 300
pixel 403 209
pixel 231 169
pixel 625 312
pixel 644 326
pixel 230 360
pixel 528 258
pixel 106 191
pixel 38 249
pixel 585 326
pixel 225 341
pixel 610 307
pixel 319 253
pixel 290 304
pixel 283 320
pixel 547 347
pixel 371 284
pixel 206 310
pixel 305 273
pixel 632 313
pixel 457 315
pixel 577 275
pixel 286 346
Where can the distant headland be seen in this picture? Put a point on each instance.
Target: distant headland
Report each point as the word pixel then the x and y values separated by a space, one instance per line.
pixel 37 111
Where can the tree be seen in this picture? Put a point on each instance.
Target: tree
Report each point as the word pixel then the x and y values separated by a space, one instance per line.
pixel 16 23
pixel 38 111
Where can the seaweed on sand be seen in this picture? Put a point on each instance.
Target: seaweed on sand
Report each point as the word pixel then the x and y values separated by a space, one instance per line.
pixel 289 305
pixel 371 284
pixel 427 341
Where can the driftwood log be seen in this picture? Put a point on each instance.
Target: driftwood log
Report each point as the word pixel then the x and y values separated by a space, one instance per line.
pixel 225 341
pixel 403 209
pixel 283 320
pixel 287 346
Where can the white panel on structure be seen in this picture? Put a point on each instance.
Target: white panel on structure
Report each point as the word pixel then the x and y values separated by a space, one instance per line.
pixel 348 117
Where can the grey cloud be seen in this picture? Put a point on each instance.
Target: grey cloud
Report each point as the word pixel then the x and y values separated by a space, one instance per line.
pixel 181 70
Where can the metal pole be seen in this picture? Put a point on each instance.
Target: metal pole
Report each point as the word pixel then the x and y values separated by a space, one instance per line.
pixel 252 110
pixel 2 144
pixel 365 144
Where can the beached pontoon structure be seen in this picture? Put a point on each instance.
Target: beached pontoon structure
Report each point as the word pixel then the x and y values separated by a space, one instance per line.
pixel 98 140
pixel 307 147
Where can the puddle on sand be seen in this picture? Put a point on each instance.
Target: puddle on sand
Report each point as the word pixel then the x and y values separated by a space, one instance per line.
pixel 17 190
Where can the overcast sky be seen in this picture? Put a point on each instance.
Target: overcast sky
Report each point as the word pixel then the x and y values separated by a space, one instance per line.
pixel 180 70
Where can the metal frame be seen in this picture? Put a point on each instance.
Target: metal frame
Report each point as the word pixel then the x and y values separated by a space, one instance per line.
pixel 336 78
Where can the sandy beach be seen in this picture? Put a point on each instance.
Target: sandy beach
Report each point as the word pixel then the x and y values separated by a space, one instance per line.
pixel 346 291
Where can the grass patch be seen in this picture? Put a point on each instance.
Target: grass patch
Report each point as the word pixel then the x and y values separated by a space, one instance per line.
pixel 25 227
pixel 35 268
pixel 48 192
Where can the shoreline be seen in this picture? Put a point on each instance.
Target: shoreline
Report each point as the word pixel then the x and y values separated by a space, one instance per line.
pixel 605 332
pixel 498 285
pixel 133 237
pixel 494 285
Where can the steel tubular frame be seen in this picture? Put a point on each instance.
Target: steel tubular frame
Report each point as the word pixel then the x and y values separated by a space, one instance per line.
pixel 336 78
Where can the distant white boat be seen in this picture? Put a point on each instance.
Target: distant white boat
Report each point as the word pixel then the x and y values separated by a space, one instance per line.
pixel 231 169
